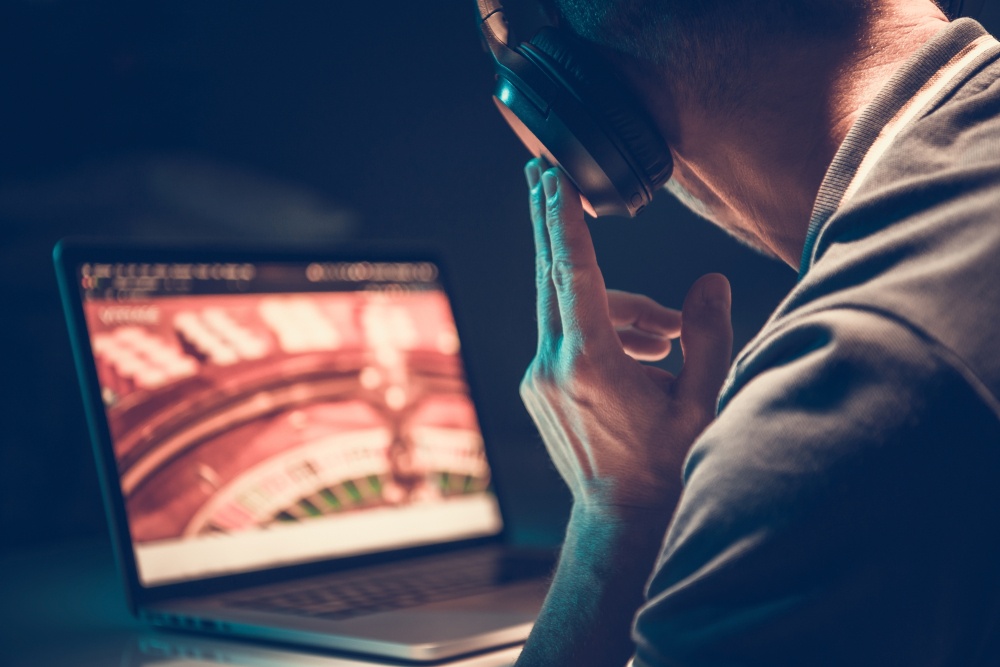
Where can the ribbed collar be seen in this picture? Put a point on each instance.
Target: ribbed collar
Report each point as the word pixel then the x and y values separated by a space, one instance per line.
pixel 910 93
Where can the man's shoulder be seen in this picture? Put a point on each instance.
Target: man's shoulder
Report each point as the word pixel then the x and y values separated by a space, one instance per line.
pixel 862 340
pixel 920 242
pixel 850 439
pixel 822 358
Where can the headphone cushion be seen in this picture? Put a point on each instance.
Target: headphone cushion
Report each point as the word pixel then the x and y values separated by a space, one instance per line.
pixel 593 81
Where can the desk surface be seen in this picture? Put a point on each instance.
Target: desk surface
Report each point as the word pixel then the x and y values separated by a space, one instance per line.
pixel 63 605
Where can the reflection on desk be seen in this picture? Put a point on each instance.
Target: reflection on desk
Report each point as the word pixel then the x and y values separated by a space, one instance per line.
pixel 164 649
pixel 63 605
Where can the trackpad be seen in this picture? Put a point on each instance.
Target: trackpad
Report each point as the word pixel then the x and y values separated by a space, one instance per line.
pixel 511 609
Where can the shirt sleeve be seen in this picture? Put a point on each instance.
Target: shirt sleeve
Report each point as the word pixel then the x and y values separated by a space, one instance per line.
pixel 841 510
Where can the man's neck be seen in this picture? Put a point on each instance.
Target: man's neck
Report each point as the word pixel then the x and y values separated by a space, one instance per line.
pixel 762 165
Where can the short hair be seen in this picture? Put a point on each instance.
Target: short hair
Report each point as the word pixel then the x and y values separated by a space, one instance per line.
pixel 708 45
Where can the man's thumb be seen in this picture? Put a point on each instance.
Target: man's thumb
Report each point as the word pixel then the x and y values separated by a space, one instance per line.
pixel 706 339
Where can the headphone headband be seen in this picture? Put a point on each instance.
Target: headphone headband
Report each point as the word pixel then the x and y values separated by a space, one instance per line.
pixel 493 25
pixel 487 7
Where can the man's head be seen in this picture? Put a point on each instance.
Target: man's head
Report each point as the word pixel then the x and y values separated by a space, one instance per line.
pixel 754 96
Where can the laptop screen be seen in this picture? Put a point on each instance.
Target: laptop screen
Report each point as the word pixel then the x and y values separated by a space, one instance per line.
pixel 268 414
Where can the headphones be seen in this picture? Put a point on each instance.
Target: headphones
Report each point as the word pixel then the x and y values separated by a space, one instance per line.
pixel 566 104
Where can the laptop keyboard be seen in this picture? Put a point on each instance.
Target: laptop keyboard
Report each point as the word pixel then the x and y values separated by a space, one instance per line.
pixel 390 587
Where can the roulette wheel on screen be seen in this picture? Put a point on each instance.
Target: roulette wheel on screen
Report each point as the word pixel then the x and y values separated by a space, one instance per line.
pixel 229 414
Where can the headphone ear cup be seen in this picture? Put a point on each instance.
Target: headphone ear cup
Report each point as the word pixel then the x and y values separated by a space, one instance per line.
pixel 592 81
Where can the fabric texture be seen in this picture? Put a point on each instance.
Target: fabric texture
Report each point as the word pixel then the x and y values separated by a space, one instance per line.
pixel 844 507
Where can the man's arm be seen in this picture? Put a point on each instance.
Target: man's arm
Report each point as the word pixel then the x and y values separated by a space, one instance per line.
pixel 618 431
pixel 599 585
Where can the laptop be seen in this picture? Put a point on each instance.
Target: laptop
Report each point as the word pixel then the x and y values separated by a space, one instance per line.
pixel 289 448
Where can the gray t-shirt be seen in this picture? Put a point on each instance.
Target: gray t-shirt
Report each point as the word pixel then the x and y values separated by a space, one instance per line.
pixel 844 508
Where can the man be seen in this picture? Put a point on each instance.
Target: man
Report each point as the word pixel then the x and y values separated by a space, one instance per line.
pixel 843 506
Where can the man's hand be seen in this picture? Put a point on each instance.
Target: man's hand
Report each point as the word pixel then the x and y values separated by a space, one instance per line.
pixel 617 430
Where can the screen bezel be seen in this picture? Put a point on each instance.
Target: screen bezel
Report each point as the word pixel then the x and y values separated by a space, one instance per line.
pixel 69 256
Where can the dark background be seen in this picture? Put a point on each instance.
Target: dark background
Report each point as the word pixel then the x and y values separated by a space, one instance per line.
pixel 313 122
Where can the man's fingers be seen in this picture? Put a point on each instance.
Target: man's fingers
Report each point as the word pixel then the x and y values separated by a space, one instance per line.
pixel 638 311
pixel 643 346
pixel 549 325
pixel 644 326
pixel 706 339
pixel 579 285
